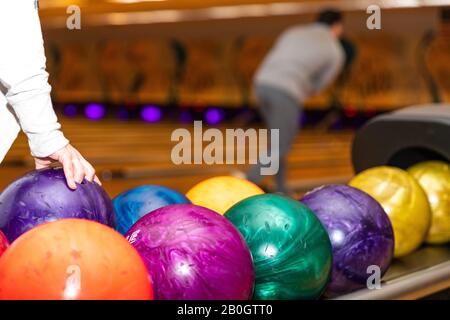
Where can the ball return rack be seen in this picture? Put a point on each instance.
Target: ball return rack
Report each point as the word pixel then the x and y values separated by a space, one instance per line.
pixel 403 138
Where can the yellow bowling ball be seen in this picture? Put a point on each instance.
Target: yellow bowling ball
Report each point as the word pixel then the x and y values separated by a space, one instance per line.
pixel 434 177
pixel 403 200
pixel 221 193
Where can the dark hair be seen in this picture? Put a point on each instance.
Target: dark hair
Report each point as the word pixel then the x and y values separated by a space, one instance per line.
pixel 329 17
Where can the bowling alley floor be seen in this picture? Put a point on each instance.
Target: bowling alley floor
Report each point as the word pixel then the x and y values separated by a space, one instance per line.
pixel 128 154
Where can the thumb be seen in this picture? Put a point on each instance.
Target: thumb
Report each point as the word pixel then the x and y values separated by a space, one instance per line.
pixel 41 164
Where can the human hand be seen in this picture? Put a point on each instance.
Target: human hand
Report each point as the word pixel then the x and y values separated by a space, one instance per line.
pixel 76 168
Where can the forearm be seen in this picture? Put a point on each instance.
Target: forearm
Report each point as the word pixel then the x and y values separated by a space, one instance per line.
pixel 326 79
pixel 33 107
pixel 329 72
pixel 9 128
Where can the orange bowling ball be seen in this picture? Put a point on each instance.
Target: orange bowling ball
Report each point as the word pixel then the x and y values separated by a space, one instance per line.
pixel 73 259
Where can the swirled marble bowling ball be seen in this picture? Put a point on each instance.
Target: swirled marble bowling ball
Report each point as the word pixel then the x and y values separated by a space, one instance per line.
pixel 3 243
pixel 43 196
pixel 193 253
pixel 360 232
pixel 73 259
pixel 290 247
pixel 135 203
pixel 434 177
pixel 403 200
pixel 221 193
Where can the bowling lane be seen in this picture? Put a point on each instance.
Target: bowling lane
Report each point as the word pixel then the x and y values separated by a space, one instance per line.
pixel 128 154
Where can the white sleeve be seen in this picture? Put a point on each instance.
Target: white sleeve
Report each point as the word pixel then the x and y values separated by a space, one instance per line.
pixel 9 127
pixel 23 78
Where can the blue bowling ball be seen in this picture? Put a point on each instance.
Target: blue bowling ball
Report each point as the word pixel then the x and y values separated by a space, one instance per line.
pixel 135 203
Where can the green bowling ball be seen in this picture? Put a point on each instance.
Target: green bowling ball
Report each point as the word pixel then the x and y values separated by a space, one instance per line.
pixel 290 247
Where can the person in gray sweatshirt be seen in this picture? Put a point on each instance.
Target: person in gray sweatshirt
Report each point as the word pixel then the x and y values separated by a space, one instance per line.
pixel 304 60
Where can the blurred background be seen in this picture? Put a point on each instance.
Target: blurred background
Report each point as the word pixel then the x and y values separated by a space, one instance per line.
pixel 137 70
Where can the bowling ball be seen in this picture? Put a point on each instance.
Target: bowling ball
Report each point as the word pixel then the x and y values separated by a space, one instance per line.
pixel 73 259
pixel 434 177
pixel 403 200
pixel 193 253
pixel 43 196
pixel 3 243
pixel 360 232
pixel 221 193
pixel 290 247
pixel 133 204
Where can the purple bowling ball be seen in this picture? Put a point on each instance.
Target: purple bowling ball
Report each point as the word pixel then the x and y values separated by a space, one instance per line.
pixel 43 196
pixel 193 253
pixel 360 232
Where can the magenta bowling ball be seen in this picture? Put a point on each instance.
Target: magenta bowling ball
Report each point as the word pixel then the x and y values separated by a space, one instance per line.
pixel 360 232
pixel 43 196
pixel 193 253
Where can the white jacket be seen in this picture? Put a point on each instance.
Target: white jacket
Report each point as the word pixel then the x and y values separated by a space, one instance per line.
pixel 24 82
